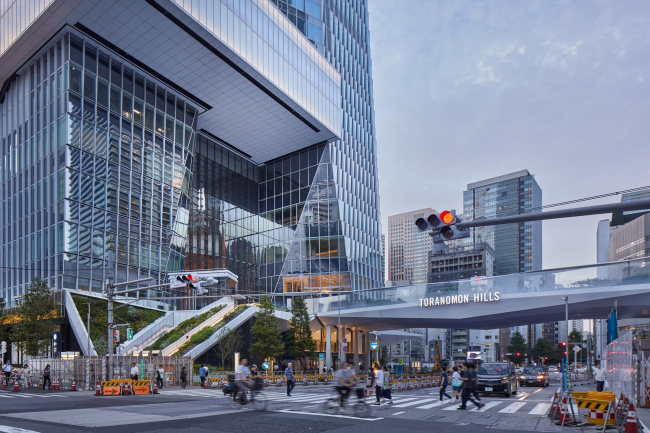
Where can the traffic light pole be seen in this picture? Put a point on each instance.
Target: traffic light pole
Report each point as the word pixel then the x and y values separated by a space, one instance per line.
pixel 556 214
pixel 110 293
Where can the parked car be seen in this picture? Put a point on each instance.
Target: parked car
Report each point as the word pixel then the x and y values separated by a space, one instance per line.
pixel 536 375
pixel 497 378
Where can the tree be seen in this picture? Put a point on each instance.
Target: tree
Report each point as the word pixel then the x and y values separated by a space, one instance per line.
pixel 34 327
pixel 300 337
pixel 517 346
pixel 230 341
pixel 384 355
pixel 543 350
pixel 266 332
pixel 575 336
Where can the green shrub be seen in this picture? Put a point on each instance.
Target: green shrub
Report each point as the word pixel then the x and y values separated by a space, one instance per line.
pixel 207 332
pixel 181 329
pixel 137 317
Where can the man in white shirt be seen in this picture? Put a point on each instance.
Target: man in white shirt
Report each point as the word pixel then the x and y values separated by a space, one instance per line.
pixel 242 374
pixel 379 382
pixel 600 375
pixel 134 372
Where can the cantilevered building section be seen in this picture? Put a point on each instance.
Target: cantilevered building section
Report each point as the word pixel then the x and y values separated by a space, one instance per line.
pixel 147 137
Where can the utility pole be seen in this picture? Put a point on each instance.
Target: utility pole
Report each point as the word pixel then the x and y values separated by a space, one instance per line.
pixel 110 293
pixel 88 329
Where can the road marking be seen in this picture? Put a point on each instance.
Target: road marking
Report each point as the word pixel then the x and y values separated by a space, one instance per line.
pixel 413 403
pixel 512 408
pixel 540 409
pixel 453 407
pixel 487 406
pixel 526 395
pixel 429 406
pixel 7 429
pixel 398 413
pixel 6 396
pixel 327 414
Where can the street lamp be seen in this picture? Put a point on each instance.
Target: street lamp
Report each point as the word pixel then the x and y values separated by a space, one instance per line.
pixel 566 317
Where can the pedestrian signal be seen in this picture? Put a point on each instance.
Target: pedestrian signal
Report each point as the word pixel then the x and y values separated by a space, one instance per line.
pixel 129 333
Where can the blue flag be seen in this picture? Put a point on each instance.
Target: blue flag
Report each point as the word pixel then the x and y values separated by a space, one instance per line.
pixel 612 327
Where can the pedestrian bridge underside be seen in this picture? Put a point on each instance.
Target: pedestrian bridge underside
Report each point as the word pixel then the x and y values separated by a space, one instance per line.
pixel 495 302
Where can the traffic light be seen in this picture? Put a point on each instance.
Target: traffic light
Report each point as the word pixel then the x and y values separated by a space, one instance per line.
pixel 129 333
pixel 442 225
pixel 116 335
pixel 518 353
pixel 187 280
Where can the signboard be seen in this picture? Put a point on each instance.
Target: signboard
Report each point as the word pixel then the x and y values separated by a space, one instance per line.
pixel 576 349
pixel 321 356
pixel 266 366
pixel 459 299
pixel 401 361
pixel 345 348
pixel 374 345
pixel 345 340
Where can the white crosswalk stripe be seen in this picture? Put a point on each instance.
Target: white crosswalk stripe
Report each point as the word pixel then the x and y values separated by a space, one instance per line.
pixel 540 409
pixel 418 401
pixel 488 405
pixel 27 395
pixel 512 408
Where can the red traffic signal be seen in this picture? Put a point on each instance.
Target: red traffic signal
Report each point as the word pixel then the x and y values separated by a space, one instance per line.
pixel 191 278
pixel 116 336
pixel 563 344
pixel 447 217
pixel 518 353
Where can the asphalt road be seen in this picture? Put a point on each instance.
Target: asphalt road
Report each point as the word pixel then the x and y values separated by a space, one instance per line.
pixel 199 410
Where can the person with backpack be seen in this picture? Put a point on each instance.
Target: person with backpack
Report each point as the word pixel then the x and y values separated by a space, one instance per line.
pixel 455 383
pixel 387 383
pixel 202 375
pixel 183 377
pixel 444 383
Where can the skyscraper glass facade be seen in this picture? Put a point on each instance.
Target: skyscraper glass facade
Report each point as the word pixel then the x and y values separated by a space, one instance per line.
pixel 339 30
pixel 106 172
pixel 517 247
pixel 96 158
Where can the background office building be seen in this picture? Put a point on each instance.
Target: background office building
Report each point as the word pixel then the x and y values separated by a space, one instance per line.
pixel 408 248
pixel 194 135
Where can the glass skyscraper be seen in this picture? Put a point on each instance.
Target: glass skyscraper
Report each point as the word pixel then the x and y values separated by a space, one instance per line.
pixel 232 134
pixel 517 247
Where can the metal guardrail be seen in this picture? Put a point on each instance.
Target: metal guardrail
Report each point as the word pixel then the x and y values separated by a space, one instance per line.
pixel 210 321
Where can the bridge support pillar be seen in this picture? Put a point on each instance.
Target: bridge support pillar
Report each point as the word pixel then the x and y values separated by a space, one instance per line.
pixel 356 346
pixel 328 347
pixel 367 351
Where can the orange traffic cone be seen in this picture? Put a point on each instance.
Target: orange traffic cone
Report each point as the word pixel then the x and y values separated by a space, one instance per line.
pixel 4 383
pixel 55 384
pixel 16 387
pixel 631 424
pixel 205 383
pixel 74 385
pixel 155 388
pixel 127 389
pixel 564 413
pixel 98 389
pixel 40 384
pixel 555 408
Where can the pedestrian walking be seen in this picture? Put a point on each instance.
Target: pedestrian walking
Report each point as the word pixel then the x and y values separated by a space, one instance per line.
pixel 160 376
pixel 466 388
pixel 288 373
pixel 183 377
pixel 474 380
pixel 600 375
pixel 46 377
pixel 444 383
pixel 202 375
pixel 379 383
pixel 520 285
pixel 386 388
pixel 254 371
pixel 134 371
pixel 6 369
pixel 455 382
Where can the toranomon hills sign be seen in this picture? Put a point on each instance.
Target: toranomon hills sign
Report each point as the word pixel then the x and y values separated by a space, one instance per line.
pixel 459 299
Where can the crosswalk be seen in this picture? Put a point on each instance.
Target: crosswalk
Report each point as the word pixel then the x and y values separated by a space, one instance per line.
pixel 423 401
pixel 22 394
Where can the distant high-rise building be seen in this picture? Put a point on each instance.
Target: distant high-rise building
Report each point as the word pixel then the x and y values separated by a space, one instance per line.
pixel 631 241
pixel 623 217
pixel 408 247
pixel 383 258
pixel 518 246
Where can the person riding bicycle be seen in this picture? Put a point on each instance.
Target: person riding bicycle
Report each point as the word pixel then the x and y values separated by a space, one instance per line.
pixel 242 374
pixel 346 378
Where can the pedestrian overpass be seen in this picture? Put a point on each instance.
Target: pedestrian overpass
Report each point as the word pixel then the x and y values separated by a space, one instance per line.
pixel 486 302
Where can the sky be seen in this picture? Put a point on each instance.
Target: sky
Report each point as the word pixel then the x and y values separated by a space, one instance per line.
pixel 469 90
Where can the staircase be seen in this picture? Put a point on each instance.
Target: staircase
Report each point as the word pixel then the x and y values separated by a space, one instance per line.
pixel 78 326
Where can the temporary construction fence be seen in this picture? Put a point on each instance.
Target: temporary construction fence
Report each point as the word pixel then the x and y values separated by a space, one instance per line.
pixel 622 367
pixel 87 371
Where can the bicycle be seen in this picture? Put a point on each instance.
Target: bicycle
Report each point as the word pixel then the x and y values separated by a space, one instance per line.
pixel 256 399
pixel 360 408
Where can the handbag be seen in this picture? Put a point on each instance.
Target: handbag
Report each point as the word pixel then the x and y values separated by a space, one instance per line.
pixel 605 385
